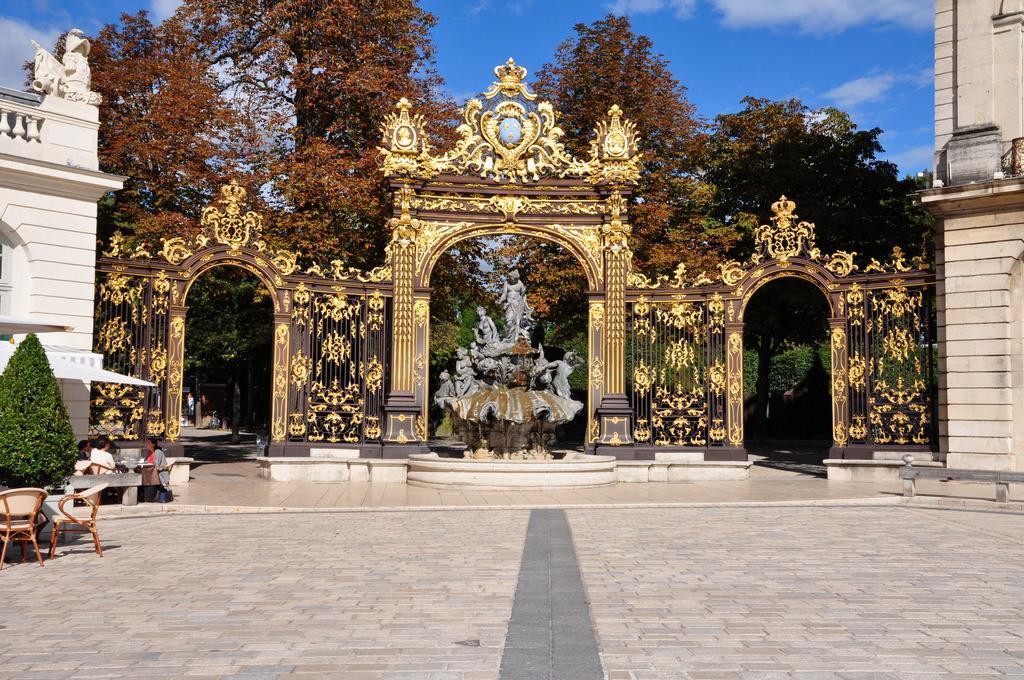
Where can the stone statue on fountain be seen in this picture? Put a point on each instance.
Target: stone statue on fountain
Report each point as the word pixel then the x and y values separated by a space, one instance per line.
pixel 506 397
pixel 518 312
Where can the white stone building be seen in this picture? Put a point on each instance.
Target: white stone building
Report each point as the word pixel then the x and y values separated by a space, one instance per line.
pixel 978 200
pixel 50 183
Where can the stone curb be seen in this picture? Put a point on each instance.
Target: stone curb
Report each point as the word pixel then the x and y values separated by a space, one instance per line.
pixel 119 512
pixel 158 510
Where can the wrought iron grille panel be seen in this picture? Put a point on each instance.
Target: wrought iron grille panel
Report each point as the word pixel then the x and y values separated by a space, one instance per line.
pixel 339 368
pixel 130 331
pixel 898 339
pixel 677 372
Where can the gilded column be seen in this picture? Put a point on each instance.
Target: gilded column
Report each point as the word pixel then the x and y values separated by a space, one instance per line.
pixel 175 370
pixel 615 412
pixel 840 386
pixel 279 394
pixel 734 384
pixel 402 410
pixel 595 362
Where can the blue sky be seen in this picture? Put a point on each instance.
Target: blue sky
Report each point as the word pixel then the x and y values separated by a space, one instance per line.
pixel 870 57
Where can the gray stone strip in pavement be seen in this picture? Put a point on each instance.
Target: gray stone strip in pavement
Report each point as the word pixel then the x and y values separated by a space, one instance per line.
pixel 550 634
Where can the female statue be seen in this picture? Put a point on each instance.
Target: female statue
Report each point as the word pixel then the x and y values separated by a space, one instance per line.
pixel 518 312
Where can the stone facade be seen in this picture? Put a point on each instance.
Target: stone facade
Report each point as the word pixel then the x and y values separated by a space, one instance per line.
pixel 49 187
pixel 978 83
pixel 979 205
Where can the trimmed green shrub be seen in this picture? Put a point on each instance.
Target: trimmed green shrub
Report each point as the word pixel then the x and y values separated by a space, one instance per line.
pixel 37 444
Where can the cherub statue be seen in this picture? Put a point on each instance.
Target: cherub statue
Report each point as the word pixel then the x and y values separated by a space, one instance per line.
pixel 445 391
pixel 486 330
pixel 560 371
pixel 465 375
pixel 539 373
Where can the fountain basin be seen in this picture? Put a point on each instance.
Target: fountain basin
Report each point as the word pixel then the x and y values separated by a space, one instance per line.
pixel 586 471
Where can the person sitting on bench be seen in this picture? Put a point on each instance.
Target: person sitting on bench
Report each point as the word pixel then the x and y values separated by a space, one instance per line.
pixel 102 462
pixel 83 463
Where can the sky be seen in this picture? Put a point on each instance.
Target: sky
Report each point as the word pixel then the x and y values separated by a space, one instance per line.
pixel 872 58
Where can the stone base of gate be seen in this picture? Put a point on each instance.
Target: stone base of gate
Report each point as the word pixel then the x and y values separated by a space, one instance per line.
pixel 881 470
pixel 293 469
pixel 672 469
pixel 432 470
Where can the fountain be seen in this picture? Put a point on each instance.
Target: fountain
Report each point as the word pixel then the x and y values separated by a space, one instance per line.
pixel 505 400
pixel 506 397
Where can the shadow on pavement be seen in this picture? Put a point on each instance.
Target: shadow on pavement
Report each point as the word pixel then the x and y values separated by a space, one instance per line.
pixel 215 446
pixel 805 458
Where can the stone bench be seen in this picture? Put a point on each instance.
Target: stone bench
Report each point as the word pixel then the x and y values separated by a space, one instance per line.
pixel 127 483
pixel 1002 480
pixel 180 470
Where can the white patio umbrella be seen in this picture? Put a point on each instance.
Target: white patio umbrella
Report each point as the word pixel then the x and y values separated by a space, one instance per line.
pixel 12 324
pixel 66 367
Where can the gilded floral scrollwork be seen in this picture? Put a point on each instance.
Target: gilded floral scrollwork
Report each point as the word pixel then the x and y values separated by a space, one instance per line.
pixel 841 263
pixel 786 236
pixel 116 410
pixel 175 250
pixel 643 378
pixel 507 134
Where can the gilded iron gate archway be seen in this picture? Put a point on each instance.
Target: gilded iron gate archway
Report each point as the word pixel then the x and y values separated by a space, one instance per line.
pixel 330 339
pixel 687 347
pixel 509 173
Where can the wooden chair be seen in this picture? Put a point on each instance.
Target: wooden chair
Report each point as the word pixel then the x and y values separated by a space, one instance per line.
pixel 21 508
pixel 86 525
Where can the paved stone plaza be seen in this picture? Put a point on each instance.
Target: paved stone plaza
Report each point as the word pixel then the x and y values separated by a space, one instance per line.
pixel 719 592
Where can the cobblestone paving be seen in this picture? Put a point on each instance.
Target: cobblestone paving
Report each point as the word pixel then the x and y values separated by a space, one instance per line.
pixel 836 593
pixel 352 595
pixel 812 593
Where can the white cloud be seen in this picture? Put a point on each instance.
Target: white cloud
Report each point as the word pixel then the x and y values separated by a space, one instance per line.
pixel 915 159
pixel 808 16
pixel 163 8
pixel 16 48
pixel 682 8
pixel 853 93
pixel 825 16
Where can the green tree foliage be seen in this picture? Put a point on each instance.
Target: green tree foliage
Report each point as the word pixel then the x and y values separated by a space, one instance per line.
pixel 782 315
pixel 229 335
pixel 606 63
pixel 37 444
pixel 818 158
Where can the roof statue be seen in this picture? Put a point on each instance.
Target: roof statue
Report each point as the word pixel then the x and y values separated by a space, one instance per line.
pixel 508 135
pixel 69 78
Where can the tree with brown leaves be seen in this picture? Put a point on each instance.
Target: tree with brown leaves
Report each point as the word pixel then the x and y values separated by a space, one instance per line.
pixel 606 63
pixel 287 96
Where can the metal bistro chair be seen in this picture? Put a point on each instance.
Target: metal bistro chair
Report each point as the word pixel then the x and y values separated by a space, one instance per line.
pixel 87 525
pixel 21 508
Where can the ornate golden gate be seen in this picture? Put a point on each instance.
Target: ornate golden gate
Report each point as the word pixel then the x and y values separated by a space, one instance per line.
pixel 331 335
pixel 687 347
pixel 509 173
pixel 351 348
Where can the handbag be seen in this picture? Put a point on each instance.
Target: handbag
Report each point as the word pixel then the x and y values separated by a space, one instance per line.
pixel 164 495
